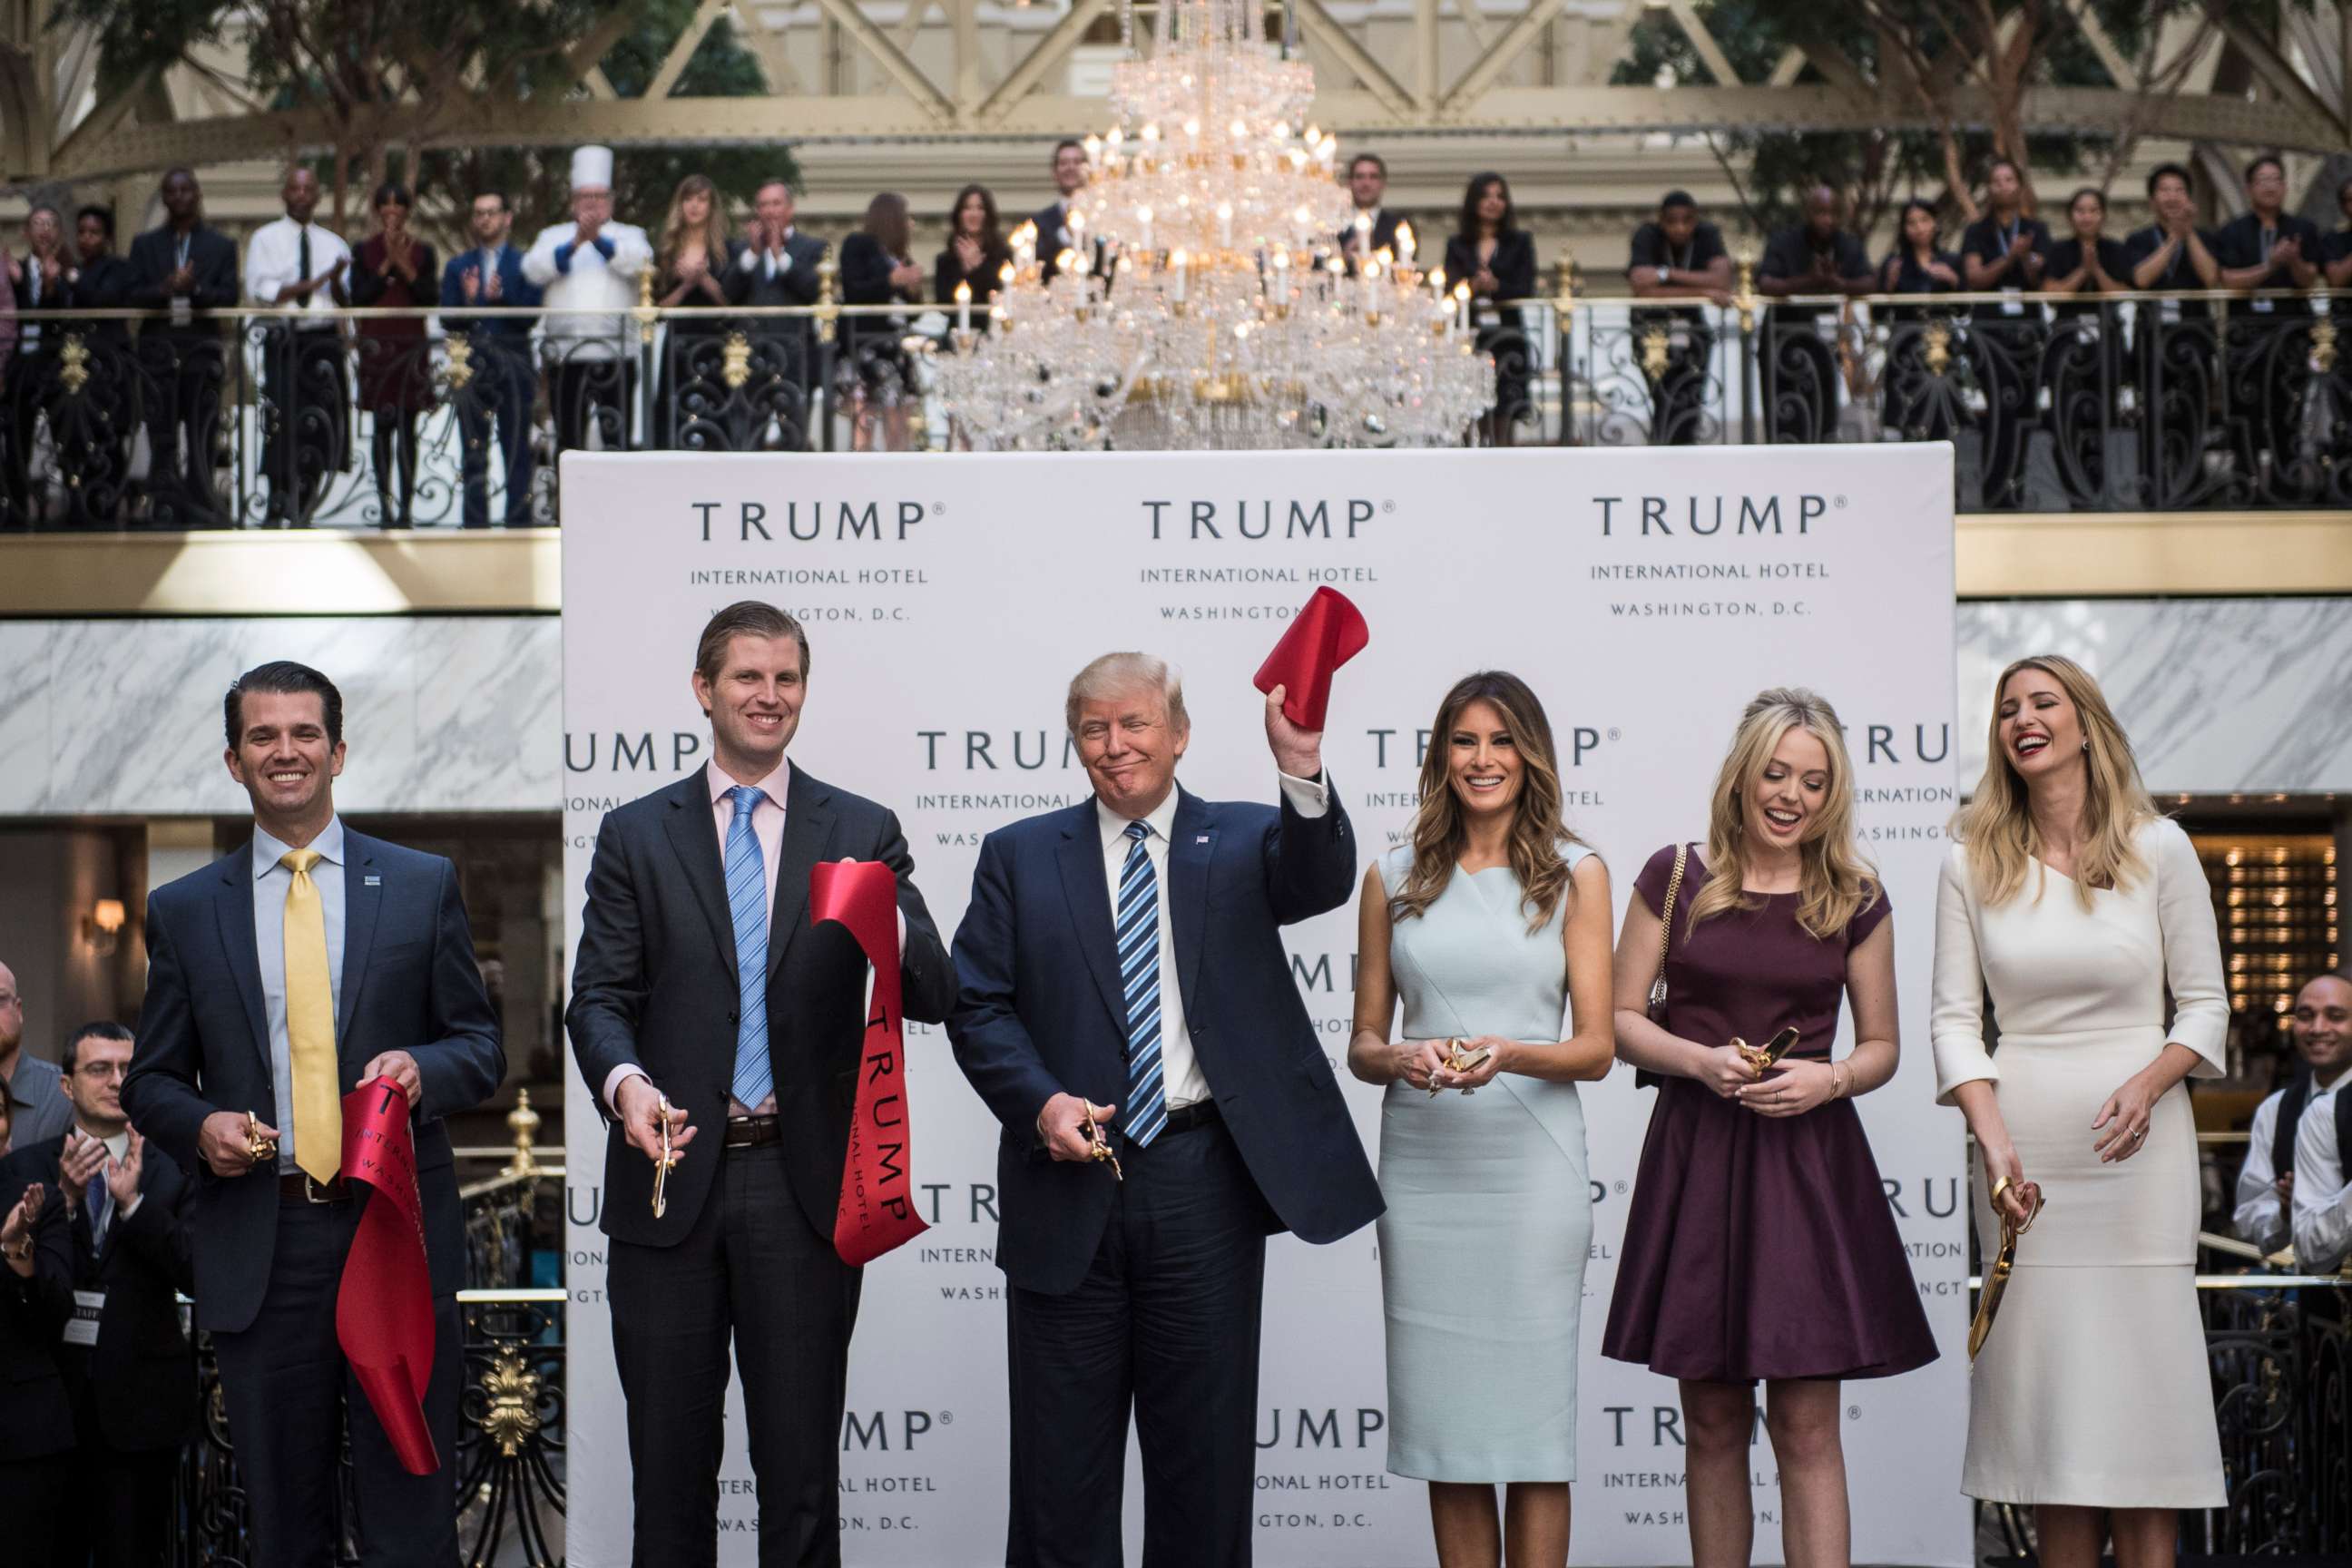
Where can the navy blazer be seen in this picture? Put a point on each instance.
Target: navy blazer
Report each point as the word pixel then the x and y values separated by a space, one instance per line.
pixel 1026 1025
pixel 515 292
pixel 655 987
pixel 410 984
pixel 37 1417
pixel 142 1373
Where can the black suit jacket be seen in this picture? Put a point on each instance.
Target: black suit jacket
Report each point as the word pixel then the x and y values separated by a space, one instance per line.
pixel 141 1375
pixel 655 987
pixel 410 984
pixel 1040 1012
pixel 212 256
pixel 35 1413
pixel 1384 232
pixel 104 285
pixel 748 283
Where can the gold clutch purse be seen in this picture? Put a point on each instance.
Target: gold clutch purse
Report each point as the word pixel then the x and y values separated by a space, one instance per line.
pixel 1460 1058
pixel 1996 1278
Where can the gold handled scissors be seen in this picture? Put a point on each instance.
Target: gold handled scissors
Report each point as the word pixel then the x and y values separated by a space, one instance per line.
pixel 662 1166
pixel 258 1145
pixel 1098 1146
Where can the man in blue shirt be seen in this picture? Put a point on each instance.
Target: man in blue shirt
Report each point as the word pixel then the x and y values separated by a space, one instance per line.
pixel 497 354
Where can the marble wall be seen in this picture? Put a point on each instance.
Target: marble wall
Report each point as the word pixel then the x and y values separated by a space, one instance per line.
pixel 2219 696
pixel 122 718
pixel 464 713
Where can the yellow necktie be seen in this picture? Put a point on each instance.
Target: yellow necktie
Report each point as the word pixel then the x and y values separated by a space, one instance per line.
pixel 310 1025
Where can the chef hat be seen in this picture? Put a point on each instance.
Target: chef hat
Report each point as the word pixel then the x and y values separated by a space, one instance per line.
pixel 591 168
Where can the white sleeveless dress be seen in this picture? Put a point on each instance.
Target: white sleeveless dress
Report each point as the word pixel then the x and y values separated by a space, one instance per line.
pixel 2093 1387
pixel 1489 1216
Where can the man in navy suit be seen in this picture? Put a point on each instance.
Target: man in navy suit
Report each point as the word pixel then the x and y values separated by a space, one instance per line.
pixel 490 274
pixel 309 931
pixel 1123 970
pixel 702 993
pixel 129 1370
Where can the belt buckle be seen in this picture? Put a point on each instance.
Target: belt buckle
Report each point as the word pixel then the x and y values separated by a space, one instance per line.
pixel 313 1192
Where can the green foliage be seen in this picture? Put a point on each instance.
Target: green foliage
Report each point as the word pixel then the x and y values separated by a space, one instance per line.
pixel 390 74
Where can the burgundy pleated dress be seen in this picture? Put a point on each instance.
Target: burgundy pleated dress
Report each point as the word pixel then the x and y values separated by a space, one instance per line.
pixel 1758 1246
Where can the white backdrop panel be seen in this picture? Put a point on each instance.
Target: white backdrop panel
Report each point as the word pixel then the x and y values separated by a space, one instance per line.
pixel 1645 595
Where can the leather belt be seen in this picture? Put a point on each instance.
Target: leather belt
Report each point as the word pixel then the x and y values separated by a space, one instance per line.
pixel 1184 1117
pixel 298 1187
pixel 752 1132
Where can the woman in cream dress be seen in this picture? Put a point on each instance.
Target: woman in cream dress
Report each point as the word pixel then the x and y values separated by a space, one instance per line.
pixel 2077 908
pixel 1488 926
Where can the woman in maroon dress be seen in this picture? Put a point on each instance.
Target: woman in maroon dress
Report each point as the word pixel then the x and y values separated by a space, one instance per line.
pixel 395 270
pixel 1759 1245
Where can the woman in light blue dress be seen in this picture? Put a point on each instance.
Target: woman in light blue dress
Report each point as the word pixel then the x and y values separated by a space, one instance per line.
pixel 1487 926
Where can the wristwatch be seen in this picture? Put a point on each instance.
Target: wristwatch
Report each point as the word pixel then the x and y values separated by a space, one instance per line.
pixel 1665 273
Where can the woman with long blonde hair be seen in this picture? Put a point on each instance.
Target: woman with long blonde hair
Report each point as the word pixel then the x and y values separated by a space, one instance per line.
pixel 1758 1246
pixel 690 261
pixel 2076 907
pixel 1492 927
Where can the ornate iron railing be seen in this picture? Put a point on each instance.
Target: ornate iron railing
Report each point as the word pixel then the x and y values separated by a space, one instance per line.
pixel 410 418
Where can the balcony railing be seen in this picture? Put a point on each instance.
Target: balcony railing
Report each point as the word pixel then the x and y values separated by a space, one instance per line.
pixel 405 417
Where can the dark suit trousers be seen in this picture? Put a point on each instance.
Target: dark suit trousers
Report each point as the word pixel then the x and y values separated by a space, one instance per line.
pixel 502 391
pixel 752 1268
pixel 287 1384
pixel 118 1508
pixel 32 1504
pixel 1166 1318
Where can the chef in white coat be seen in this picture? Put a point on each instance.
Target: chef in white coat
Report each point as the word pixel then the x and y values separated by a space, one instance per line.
pixel 588 269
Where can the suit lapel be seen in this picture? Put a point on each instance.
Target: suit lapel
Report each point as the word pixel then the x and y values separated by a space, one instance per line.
pixel 697 843
pixel 1192 841
pixel 1086 891
pixel 233 907
pixel 808 829
pixel 361 902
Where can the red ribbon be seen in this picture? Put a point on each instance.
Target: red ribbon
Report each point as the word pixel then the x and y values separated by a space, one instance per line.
pixel 877 1210
pixel 1324 635
pixel 384 1310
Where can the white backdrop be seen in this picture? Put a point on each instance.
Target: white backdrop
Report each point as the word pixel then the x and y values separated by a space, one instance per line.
pixel 1645 596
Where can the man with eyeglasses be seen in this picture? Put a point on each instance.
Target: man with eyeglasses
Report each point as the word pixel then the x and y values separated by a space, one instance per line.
pixel 37 1097
pixel 129 1370
pixel 498 353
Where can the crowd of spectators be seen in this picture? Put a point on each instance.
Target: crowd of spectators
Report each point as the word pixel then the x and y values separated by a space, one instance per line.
pixel 151 433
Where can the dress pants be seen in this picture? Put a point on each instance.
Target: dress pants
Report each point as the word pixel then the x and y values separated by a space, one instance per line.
pixel 1166 1320
pixel 502 391
pixel 118 1509
pixel 286 1386
pixel 587 393
pixel 32 1504
pixel 2006 352
pixel 182 373
pixel 752 1268
pixel 306 418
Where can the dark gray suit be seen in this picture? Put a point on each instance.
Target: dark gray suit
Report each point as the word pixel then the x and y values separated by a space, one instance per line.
pixel 745 1248
pixel 266 1270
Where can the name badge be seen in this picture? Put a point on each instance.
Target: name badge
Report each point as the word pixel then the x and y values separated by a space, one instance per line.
pixel 2009 306
pixel 182 314
pixel 81 1329
pixel 2264 307
pixel 2168 311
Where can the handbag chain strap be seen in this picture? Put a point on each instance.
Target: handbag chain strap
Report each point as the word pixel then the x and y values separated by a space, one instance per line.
pixel 1666 924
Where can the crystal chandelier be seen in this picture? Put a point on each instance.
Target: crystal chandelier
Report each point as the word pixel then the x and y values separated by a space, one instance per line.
pixel 1200 302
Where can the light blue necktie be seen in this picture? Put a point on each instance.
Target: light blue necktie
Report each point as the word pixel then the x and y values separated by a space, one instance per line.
pixel 1137 926
pixel 98 1202
pixel 747 901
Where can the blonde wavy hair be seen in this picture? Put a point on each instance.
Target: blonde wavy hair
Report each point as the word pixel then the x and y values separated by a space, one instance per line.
pixel 1536 828
pixel 1996 826
pixel 1835 882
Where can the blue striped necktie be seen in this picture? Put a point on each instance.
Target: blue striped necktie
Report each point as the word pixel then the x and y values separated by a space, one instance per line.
pixel 747 901
pixel 1138 925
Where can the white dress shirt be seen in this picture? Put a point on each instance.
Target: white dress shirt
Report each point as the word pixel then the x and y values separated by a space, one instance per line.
pixel 587 281
pixel 271 882
pixel 776 262
pixel 2322 1218
pixel 2261 1217
pixel 273 258
pixel 118 1148
pixel 1181 1072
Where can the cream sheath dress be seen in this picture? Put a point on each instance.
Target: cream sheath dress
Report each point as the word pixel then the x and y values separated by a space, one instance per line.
pixel 2093 1387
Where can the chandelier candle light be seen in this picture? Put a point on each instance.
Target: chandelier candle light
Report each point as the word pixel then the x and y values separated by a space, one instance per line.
pixel 1198 300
